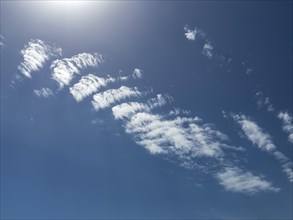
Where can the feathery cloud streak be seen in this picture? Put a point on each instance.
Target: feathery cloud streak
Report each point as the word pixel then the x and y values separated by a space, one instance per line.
pixel 264 101
pixel 187 139
pixel 128 109
pixel 35 54
pixel 254 133
pixel 64 70
pixel 105 99
pixel 1 41
pixel 43 92
pixel 137 73
pixel 287 124
pixel 88 85
pixel 238 180
pixel 263 141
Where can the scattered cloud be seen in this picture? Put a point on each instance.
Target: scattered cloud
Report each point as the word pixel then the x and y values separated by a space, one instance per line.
pixel 288 170
pixel 137 73
pixel 287 124
pixel 105 99
pixel 88 85
pixel 35 53
pixel 97 121
pixel 185 137
pixel 43 92
pixel 64 70
pixel 263 141
pixel 264 102
pixel 249 71
pixel 180 136
pixel 128 109
pixel 192 34
pixel 176 135
pixel 254 133
pixel 208 50
pixel 237 180
pixel 1 41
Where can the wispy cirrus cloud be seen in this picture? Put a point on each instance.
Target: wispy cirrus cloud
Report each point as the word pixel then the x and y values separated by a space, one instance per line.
pixel 254 133
pixel 237 180
pixel 263 101
pixel 173 134
pixel 128 109
pixel 43 92
pixel 1 41
pixel 109 97
pixel 263 141
pixel 91 83
pixel 287 124
pixel 35 54
pixel 64 70
pixel 193 33
pixel 188 140
pixel 137 73
pixel 170 134
pixel 88 85
pixel 181 136
pixel 208 50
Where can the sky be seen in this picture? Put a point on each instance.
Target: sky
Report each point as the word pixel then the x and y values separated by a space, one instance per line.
pixel 146 109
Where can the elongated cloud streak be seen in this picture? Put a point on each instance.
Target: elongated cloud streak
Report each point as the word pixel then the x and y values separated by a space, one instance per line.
pixel 126 110
pixel 181 136
pixel 35 54
pixel 88 85
pixel 105 99
pixel 43 92
pixel 287 124
pixel 263 141
pixel 1 41
pixel 64 70
pixel 237 180
pixel 254 133
pixel 208 50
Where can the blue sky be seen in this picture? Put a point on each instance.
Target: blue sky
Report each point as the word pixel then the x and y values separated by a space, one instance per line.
pixel 143 110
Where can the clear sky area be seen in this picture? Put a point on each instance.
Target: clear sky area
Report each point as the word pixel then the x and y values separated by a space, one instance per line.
pixel 146 110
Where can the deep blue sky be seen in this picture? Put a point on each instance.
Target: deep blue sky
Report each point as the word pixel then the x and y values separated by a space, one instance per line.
pixel 61 159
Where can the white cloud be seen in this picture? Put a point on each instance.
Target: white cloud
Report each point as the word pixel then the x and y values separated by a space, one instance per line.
pixel 288 170
pixel 208 50
pixel 280 156
pixel 248 71
pixel 126 110
pixel 43 92
pixel 178 111
pixel 287 124
pixel 263 101
pixel 88 85
pixel 181 136
pixel 237 180
pixel 105 99
pixel 34 56
pixel 64 70
pixel 263 141
pixel 254 133
pixel 137 73
pixel 192 34
pixel 1 41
